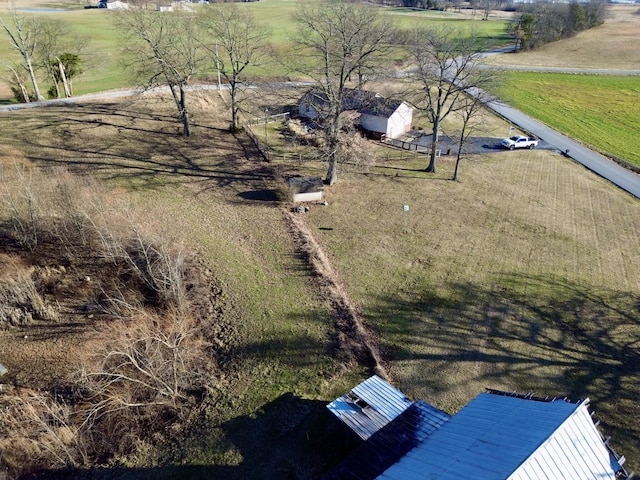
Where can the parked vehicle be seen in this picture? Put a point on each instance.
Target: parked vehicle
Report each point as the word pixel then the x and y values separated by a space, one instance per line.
pixel 519 141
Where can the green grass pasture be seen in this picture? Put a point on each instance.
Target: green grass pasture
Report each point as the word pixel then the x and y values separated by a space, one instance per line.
pixel 102 61
pixel 102 58
pixel 599 110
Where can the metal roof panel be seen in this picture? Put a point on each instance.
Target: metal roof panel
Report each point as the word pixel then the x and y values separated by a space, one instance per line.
pixel 496 437
pixel 369 406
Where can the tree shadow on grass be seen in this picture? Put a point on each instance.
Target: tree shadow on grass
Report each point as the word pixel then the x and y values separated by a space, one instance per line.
pixel 540 334
pixel 264 195
pixel 133 143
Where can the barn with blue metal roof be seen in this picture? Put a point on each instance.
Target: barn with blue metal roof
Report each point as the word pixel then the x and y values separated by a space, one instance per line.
pixel 496 436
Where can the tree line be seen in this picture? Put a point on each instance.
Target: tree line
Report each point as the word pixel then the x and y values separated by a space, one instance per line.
pixel 541 23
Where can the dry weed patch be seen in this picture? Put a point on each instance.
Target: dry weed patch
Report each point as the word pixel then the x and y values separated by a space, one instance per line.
pixel 133 313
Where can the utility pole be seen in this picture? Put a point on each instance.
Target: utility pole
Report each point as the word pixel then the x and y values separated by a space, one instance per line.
pixel 218 66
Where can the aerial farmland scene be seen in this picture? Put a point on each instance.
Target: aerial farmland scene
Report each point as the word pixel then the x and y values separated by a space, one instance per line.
pixel 319 239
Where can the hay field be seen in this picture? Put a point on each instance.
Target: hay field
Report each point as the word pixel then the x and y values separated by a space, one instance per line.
pixel 613 45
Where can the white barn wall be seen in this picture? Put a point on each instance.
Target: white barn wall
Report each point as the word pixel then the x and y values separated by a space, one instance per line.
pixel 400 121
pixel 373 123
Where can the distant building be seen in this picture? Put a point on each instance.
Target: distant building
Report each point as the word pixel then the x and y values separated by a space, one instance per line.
pixel 117 5
pixel 496 436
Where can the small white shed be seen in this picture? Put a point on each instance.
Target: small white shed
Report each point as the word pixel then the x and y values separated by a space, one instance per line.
pixel 306 189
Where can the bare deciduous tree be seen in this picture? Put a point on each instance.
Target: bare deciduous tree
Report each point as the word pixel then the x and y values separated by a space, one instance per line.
pixel 150 363
pixel 24 39
pixel 165 50
pixel 470 112
pixel 444 65
pixel 59 55
pixel 236 41
pixel 337 40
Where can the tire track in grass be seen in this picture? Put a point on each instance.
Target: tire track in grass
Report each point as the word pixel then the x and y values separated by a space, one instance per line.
pixel 570 216
pixel 594 227
pixel 634 229
pixel 537 203
pixel 353 337
pixel 570 202
pixel 614 255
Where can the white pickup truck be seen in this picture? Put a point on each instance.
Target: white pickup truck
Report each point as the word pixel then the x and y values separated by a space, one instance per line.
pixel 519 141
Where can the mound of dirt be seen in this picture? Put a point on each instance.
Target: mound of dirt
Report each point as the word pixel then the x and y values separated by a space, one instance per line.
pixel 355 342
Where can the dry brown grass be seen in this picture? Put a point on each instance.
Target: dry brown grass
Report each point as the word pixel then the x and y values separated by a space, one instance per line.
pixel 613 45
pixel 522 277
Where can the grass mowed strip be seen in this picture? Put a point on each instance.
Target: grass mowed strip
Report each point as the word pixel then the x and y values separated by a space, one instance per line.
pixel 523 277
pixel 598 110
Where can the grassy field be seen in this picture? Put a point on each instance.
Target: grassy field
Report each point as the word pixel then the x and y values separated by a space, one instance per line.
pixel 524 276
pixel 102 60
pixel 104 69
pixel 598 110
pixel 283 347
pixel 612 45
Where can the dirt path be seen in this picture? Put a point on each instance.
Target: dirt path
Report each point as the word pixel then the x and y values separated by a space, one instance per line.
pixel 355 341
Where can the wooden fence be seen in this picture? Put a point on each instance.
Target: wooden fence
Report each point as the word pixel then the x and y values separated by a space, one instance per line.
pixel 280 117
pixel 248 124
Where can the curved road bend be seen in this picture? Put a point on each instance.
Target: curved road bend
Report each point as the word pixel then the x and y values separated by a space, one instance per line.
pixel 623 178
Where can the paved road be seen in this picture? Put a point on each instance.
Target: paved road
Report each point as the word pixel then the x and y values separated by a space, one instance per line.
pixel 101 96
pixel 623 178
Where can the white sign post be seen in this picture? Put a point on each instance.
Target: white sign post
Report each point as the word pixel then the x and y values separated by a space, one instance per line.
pixel 405 210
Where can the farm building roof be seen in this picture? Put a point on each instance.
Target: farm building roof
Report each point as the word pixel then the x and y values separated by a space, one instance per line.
pixel 391 442
pixel 369 406
pixel 496 436
pixel 362 101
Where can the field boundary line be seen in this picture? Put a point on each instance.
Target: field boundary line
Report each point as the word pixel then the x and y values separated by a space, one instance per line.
pixel 353 335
